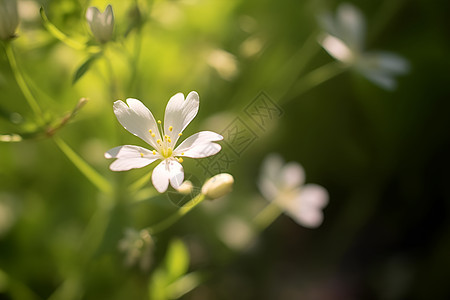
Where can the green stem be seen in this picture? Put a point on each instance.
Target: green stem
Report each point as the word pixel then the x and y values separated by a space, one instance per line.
pixel 53 30
pixel 112 80
pixel 295 66
pixel 166 223
pixel 137 185
pixel 315 78
pixel 94 177
pixel 135 60
pixel 22 83
pixel 266 216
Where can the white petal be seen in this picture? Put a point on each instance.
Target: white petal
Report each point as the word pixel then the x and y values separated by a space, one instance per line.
pixel 129 151
pixel 314 195
pixel 109 16
pixel 125 164
pixel 269 179
pixel 272 167
pixel 306 209
pixel 179 113
pixel 176 174
pixel 92 14
pixel 268 189
pixel 337 48
pixel 130 157
pixel 387 62
pixel 167 170
pixel 137 119
pixel 199 145
pixel 292 175
pixel 382 79
pixel 351 26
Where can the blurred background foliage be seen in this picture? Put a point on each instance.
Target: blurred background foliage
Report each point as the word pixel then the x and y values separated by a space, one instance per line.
pixel 383 156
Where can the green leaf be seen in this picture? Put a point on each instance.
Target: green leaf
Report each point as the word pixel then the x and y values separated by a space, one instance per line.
pixel 157 286
pixel 177 260
pixel 184 285
pixel 83 68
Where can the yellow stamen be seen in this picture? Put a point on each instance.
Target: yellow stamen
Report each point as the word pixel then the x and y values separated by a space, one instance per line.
pixel 166 137
pixel 182 153
pixel 158 141
pixel 170 128
pixel 154 152
pixel 153 135
pixel 142 154
pixel 180 134
pixel 180 160
pixel 159 121
pixel 150 130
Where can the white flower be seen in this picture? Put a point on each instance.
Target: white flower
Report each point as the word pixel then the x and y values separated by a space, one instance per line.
pixel 9 19
pixel 345 41
pixel 137 119
pixel 284 185
pixel 101 24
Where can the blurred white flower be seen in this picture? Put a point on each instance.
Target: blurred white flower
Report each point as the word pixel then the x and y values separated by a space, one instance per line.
pixel 345 40
pixel 224 63
pixel 137 247
pixel 9 19
pixel 101 24
pixel 284 184
pixel 137 119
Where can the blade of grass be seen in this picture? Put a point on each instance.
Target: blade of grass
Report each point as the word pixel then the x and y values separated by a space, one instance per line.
pixel 94 177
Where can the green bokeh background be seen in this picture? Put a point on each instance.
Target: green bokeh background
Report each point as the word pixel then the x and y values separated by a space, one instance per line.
pixel 383 156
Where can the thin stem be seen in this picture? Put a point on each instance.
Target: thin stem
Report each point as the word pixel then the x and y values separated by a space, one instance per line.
pixel 94 177
pixel 295 66
pixel 112 79
pixel 22 83
pixel 135 60
pixel 315 78
pixel 137 185
pixel 53 30
pixel 266 216
pixel 166 223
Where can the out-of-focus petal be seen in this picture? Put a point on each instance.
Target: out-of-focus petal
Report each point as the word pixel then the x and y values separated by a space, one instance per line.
pixel 269 179
pixel 306 208
pixel 337 48
pixel 351 26
pixel 292 175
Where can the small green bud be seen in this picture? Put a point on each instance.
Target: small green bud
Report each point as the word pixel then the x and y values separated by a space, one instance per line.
pixel 218 186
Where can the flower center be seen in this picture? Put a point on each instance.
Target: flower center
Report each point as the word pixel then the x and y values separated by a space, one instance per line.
pixel 166 152
pixel 164 145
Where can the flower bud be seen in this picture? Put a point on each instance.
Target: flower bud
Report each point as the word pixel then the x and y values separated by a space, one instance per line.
pixel 186 187
pixel 218 186
pixel 101 24
pixel 9 19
